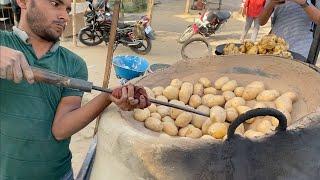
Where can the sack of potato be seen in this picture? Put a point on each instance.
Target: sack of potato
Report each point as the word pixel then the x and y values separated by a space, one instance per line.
pixel 269 44
pixel 223 99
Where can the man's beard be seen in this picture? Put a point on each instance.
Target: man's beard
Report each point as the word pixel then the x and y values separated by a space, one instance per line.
pixel 36 19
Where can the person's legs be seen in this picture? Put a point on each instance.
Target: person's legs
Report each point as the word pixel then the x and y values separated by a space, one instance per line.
pixel 247 26
pixel 256 28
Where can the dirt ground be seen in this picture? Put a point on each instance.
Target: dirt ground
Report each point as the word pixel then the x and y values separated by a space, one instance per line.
pixel 168 22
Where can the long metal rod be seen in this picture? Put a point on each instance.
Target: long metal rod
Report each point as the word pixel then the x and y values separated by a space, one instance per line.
pixel 159 103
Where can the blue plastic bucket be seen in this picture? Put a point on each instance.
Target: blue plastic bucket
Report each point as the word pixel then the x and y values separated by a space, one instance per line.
pixel 129 67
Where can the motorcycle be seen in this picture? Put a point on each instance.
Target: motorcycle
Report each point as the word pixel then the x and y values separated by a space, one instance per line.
pixel 206 25
pixel 137 36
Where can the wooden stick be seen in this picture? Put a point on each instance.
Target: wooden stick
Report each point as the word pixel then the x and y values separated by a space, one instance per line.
pixel 74 39
pixel 315 47
pixel 114 24
pixel 150 9
pixel 186 10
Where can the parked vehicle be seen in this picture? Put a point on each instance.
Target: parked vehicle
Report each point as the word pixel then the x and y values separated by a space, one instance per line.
pixel 137 35
pixel 206 25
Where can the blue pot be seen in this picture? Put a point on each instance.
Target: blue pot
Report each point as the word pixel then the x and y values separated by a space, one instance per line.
pixel 129 67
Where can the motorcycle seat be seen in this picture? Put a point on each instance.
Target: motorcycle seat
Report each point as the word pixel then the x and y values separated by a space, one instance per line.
pixel 122 25
pixel 223 15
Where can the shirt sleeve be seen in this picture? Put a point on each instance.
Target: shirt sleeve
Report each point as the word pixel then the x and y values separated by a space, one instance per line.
pixel 80 72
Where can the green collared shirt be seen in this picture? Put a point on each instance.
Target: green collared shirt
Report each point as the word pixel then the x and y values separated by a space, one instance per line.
pixel 28 149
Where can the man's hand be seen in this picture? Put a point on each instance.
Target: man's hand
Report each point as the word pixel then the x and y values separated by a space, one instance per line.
pixel 14 66
pixel 277 2
pixel 130 97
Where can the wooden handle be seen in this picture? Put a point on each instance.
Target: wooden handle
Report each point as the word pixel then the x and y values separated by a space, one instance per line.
pixel 49 77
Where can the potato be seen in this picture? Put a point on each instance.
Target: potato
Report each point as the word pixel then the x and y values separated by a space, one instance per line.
pixel 152 108
pixel 268 95
pixel 251 103
pixel 149 92
pixel 218 114
pixel 185 92
pixel 260 105
pixel 170 128
pixel 253 50
pixel 156 115
pixel 251 134
pixel 213 100
pixel 232 114
pixel 228 95
pixel 205 81
pixel 162 98
pixel 174 113
pixel 218 130
pixel 292 95
pixel 242 49
pixel 274 121
pixel 261 49
pixel 183 119
pixel 163 111
pixel 195 101
pixel 167 119
pixel 264 126
pixel 230 86
pixel 183 131
pixel 198 89
pixel 235 102
pixel 171 92
pixel 268 42
pixel 193 133
pixel 288 116
pixel 198 120
pixel 141 114
pixel 207 137
pixel 220 82
pixel 248 44
pixel 240 130
pixel 284 103
pixel 270 104
pixel 176 83
pixel 244 109
pixel 239 91
pixel 153 124
pixel 210 90
pixel 256 121
pixel 252 90
pixel 158 90
pixel 205 126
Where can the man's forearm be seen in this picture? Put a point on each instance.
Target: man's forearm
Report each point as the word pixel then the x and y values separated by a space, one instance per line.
pixel 72 122
pixel 313 13
pixel 266 14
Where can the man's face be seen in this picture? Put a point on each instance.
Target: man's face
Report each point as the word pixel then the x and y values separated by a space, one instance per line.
pixel 47 18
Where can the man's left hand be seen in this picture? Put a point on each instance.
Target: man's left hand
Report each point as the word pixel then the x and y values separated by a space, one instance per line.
pixel 130 97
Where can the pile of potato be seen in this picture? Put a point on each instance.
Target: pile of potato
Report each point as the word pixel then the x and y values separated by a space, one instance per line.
pixel 269 44
pixel 224 100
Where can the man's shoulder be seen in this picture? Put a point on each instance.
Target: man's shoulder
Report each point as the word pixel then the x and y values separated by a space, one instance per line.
pixel 5 35
pixel 71 56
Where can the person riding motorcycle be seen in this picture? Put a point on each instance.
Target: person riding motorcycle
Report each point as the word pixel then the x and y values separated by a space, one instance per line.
pixel 209 19
pixel 103 9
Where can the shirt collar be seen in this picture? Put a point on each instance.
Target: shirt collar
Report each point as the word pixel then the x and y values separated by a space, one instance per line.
pixel 24 37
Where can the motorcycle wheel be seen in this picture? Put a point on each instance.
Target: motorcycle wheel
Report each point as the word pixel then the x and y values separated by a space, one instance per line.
pixel 186 35
pixel 89 37
pixel 143 48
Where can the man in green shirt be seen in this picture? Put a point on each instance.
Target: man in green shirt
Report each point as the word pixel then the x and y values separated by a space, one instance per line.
pixel 37 119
